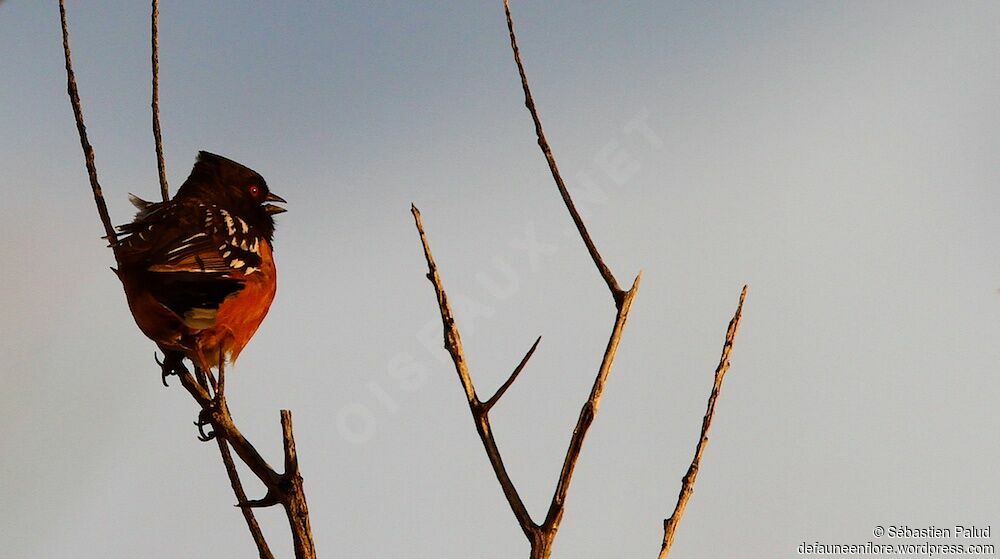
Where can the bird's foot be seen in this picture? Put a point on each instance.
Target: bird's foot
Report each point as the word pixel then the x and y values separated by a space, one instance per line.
pixel 172 364
pixel 205 419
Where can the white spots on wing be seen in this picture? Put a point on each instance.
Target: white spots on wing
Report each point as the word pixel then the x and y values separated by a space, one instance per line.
pixel 244 228
pixel 193 237
pixel 227 254
pixel 229 222
pixel 249 270
pixel 237 263
pixel 244 245
pixel 179 248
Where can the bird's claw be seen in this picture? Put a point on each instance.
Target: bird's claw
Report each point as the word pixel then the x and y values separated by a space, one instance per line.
pixel 204 418
pixel 171 365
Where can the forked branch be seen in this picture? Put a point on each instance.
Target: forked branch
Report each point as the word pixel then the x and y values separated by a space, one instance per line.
pixel 282 488
pixel 687 484
pixel 540 536
pixel 480 413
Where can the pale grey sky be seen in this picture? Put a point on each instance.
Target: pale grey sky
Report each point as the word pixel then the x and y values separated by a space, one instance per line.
pixel 840 158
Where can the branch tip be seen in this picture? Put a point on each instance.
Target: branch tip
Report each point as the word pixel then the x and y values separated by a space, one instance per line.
pixel 155 102
pixel 81 128
pixel 688 481
pixel 510 380
pixel 543 144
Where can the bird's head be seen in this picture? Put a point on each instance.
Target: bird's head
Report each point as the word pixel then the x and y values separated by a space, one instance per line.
pixel 235 188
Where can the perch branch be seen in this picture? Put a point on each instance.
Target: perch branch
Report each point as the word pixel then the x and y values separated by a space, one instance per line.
pixel 283 488
pixel 155 104
pixel 263 550
pixel 616 291
pixel 88 150
pixel 241 498
pixel 222 423
pixel 687 484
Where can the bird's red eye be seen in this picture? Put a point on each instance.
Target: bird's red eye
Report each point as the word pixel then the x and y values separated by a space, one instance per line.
pixel 254 190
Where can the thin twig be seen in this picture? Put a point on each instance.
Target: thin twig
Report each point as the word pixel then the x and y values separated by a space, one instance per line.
pixel 453 343
pixel 88 150
pixel 155 104
pixel 616 291
pixel 241 498
pixel 687 484
pixel 488 405
pixel 263 550
pixel 589 411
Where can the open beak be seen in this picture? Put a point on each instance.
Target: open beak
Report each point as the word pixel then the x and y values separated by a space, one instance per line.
pixel 271 208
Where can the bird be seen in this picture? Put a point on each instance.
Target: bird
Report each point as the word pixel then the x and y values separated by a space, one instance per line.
pixel 198 270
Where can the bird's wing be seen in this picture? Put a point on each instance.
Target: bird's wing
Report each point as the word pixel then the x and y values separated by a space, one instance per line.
pixel 194 256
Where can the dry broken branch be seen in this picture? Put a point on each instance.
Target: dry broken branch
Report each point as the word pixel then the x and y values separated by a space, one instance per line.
pixel 687 484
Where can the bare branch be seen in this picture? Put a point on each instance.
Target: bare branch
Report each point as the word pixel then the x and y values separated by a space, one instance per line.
pixel 155 104
pixel 540 536
pixel 616 291
pixel 241 498
pixel 234 476
pixel 589 411
pixel 480 414
pixel 687 484
pixel 197 392
pixel 285 489
pixel 223 425
pixel 88 150
pixel 294 497
pixel 513 376
pixel 288 443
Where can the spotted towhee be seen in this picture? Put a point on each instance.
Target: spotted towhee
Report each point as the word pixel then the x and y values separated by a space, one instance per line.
pixel 198 270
